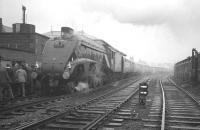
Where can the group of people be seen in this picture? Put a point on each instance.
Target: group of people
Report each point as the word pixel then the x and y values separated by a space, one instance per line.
pixel 16 81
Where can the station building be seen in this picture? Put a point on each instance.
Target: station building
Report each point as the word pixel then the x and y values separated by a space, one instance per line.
pixel 22 44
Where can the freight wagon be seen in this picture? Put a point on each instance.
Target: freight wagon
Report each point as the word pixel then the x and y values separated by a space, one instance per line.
pixel 188 69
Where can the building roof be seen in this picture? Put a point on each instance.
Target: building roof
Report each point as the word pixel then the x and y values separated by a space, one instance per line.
pixel 11 33
pixel 6 29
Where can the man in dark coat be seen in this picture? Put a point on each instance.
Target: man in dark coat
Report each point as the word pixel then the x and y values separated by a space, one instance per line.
pixel 5 84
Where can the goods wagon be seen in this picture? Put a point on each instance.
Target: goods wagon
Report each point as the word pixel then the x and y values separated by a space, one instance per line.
pixel 188 69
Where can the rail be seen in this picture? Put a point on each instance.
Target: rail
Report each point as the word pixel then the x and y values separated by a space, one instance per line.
pixel 163 108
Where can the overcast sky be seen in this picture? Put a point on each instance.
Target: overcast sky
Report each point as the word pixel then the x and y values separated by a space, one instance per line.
pixel 150 30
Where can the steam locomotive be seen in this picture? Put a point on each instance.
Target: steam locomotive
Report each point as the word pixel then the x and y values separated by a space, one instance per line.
pixel 74 58
pixel 75 61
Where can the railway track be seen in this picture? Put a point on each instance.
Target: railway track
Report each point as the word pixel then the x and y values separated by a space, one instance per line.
pixel 115 118
pixel 172 108
pixel 30 101
pixel 47 114
pixel 154 117
pixel 182 110
pixel 118 118
pixel 91 115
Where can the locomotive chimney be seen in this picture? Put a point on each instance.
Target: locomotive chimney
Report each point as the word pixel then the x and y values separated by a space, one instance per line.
pixel 66 32
pixel 24 13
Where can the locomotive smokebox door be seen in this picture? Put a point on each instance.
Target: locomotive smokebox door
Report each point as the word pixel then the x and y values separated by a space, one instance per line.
pixel 143 92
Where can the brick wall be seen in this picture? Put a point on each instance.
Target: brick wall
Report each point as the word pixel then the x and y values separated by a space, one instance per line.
pixel 17 41
pixel 14 55
pixel 22 46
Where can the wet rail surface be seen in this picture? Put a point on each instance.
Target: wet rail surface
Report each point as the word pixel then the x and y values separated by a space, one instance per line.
pixel 20 122
pixel 182 111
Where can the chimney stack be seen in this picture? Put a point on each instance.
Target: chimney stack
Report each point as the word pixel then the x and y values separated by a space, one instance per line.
pixel 1 25
pixel 24 13
pixel 66 32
